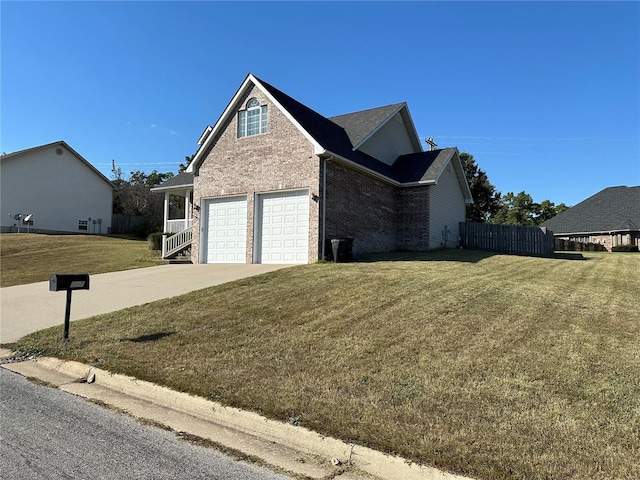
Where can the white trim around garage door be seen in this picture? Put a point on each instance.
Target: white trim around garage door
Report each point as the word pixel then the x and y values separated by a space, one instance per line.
pixel 282 227
pixel 224 230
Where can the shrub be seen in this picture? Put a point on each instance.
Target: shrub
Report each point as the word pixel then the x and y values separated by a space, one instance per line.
pixel 145 228
pixel 155 241
pixel 625 248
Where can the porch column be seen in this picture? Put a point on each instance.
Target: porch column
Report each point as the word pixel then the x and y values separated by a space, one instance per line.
pixel 166 212
pixel 166 224
pixel 187 208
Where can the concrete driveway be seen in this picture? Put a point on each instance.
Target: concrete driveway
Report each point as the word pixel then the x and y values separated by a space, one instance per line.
pixel 28 308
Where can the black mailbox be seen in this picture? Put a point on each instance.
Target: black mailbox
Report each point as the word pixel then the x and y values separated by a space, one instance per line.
pixel 68 281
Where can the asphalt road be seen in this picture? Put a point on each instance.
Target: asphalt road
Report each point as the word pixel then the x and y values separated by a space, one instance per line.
pixel 49 434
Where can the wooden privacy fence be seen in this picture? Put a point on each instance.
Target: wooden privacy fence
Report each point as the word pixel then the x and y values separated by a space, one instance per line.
pixel 506 238
pixel 121 223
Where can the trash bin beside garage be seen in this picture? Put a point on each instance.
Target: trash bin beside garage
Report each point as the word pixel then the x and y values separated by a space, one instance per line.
pixel 342 249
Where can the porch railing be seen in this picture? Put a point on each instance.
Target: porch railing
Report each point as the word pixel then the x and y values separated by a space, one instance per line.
pixel 175 226
pixel 173 244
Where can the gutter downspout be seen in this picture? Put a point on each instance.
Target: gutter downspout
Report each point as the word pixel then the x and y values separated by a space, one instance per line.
pixel 324 204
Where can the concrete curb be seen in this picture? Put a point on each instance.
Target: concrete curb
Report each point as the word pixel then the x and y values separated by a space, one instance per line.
pixel 293 449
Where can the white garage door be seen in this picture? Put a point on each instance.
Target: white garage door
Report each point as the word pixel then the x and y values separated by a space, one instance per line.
pixel 226 230
pixel 284 227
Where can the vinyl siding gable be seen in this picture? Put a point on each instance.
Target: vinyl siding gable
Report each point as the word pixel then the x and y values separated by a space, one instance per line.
pixel 58 188
pixel 389 142
pixel 447 209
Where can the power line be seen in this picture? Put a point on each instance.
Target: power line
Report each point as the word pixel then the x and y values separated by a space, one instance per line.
pixel 539 139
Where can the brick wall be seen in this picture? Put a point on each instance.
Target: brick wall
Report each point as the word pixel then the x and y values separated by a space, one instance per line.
pixel 380 217
pixel 281 159
pixel 361 207
pixel 413 218
pixel 608 240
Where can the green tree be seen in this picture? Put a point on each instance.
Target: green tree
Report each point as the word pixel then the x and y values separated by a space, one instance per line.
pixel 133 195
pixel 520 209
pixel 187 161
pixel 517 209
pixel 486 199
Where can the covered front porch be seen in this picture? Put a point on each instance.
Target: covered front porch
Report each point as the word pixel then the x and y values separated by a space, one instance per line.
pixel 178 201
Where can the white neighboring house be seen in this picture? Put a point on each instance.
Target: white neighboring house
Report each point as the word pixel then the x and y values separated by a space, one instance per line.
pixel 60 188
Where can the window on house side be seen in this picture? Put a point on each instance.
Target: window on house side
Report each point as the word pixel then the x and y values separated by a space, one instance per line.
pixel 253 120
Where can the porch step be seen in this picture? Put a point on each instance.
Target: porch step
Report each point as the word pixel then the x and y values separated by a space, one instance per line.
pixel 179 260
pixel 182 257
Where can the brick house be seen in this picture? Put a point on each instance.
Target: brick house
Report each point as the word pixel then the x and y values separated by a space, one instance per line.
pixel 609 218
pixel 273 181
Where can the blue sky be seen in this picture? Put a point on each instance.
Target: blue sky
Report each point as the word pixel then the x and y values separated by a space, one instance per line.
pixel 545 95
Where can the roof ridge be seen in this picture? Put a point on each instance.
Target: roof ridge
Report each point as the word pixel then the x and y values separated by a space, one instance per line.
pixel 611 209
pixel 368 110
pixel 289 97
pixel 65 145
pixel 25 150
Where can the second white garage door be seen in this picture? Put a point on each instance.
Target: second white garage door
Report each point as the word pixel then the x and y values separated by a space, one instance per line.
pixel 226 230
pixel 283 227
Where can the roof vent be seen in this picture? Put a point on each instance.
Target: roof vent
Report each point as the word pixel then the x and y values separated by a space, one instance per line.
pixel 59 151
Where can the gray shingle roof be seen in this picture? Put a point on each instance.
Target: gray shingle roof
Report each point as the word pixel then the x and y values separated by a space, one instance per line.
pixel 339 135
pixel 360 124
pixel 614 209
pixel 183 179
pixel 423 166
pixel 335 138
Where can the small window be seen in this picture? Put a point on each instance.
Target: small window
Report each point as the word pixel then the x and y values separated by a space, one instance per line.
pixel 580 239
pixel 82 224
pixel 253 120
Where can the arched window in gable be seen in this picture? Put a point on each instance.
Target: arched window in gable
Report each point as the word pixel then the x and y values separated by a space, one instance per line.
pixel 252 120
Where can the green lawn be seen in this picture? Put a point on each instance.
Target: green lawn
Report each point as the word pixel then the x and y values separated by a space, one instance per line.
pixel 488 365
pixel 28 258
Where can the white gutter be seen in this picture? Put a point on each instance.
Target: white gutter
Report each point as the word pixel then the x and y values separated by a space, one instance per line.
pixel 324 204
pixel 379 176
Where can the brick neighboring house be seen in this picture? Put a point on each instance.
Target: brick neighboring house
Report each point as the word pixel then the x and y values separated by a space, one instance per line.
pixel 611 217
pixel 273 181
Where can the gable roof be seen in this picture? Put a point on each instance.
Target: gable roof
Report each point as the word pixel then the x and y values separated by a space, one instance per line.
pixel 61 143
pixel 361 125
pixel 338 137
pixel 423 167
pixel 326 136
pixel 183 181
pixel 614 209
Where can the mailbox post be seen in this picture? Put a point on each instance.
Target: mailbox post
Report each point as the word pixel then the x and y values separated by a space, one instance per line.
pixel 68 282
